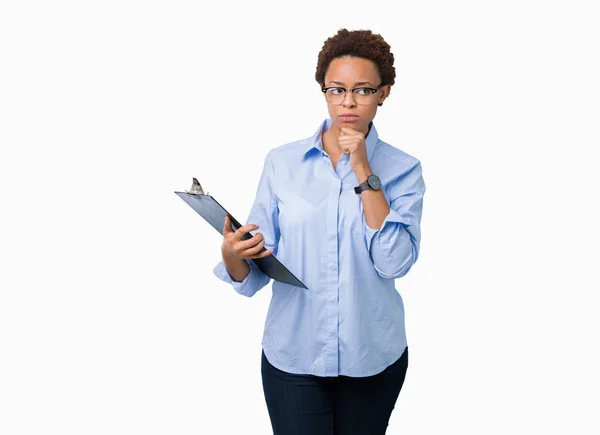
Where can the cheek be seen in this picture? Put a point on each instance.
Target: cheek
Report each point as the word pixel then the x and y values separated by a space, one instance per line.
pixel 331 111
pixel 371 111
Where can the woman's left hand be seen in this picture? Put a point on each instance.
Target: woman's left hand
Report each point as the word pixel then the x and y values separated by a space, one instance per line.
pixel 353 142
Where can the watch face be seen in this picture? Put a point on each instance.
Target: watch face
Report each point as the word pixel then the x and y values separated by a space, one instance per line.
pixel 374 182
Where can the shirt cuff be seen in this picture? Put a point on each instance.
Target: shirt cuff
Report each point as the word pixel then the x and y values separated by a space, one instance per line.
pixel 248 286
pixel 392 217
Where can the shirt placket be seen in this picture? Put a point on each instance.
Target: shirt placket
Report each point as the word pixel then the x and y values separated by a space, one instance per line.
pixel 332 298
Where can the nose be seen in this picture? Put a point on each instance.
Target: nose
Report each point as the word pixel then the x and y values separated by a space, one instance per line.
pixel 349 99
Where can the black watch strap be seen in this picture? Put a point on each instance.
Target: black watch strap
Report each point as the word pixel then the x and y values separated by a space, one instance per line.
pixel 362 187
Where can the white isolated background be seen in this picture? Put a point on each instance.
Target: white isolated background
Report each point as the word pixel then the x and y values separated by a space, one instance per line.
pixel 111 321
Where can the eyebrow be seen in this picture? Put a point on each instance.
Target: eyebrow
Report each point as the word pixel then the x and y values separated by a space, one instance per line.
pixel 355 84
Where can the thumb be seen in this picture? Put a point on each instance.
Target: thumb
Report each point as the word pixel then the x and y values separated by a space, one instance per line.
pixel 227 226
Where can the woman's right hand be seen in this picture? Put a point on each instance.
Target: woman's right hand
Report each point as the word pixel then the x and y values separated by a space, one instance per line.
pixel 234 246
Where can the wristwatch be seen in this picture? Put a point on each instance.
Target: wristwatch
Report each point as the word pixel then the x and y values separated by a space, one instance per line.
pixel 372 182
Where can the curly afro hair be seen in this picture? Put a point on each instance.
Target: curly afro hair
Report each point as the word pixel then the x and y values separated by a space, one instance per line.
pixel 357 43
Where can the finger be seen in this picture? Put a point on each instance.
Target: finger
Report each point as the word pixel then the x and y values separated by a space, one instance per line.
pixel 350 131
pixel 263 254
pixel 352 138
pixel 349 146
pixel 346 148
pixel 252 251
pixel 227 226
pixel 267 253
pixel 242 245
pixel 253 255
pixel 239 233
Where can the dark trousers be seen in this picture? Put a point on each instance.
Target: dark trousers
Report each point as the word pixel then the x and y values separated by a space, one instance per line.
pixel 342 405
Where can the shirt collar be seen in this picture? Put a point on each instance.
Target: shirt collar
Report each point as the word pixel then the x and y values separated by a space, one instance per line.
pixel 315 141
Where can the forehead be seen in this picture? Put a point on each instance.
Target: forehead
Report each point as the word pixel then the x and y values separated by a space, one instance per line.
pixel 350 70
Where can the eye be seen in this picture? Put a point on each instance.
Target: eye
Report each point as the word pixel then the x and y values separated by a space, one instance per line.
pixel 336 91
pixel 363 91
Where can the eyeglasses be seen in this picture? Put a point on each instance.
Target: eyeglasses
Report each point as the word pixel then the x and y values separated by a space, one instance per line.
pixel 363 96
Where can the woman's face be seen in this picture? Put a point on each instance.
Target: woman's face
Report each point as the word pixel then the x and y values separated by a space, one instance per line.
pixel 352 72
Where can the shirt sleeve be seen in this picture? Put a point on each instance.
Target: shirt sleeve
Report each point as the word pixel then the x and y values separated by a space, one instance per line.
pixel 265 214
pixel 394 247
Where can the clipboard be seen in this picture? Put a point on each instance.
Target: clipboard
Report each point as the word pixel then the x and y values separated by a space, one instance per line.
pixel 214 213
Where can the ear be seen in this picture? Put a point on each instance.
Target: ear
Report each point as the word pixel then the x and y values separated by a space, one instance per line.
pixel 385 91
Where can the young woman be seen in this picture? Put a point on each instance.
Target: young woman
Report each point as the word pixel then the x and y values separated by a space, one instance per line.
pixel 341 210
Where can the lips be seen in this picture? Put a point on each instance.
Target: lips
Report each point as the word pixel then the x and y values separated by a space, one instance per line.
pixel 348 115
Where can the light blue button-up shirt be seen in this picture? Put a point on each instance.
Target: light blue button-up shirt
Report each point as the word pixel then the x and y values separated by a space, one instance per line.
pixel 350 321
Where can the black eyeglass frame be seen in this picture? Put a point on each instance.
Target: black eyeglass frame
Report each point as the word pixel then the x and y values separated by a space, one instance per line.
pixel 373 90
